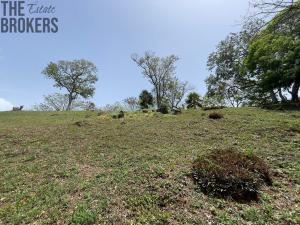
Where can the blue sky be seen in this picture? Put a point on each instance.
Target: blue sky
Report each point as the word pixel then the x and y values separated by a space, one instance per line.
pixel 107 32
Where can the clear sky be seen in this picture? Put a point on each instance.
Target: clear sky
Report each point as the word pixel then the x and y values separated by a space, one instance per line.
pixel 107 32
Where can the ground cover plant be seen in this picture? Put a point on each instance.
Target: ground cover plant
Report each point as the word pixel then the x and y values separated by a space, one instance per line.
pixel 104 171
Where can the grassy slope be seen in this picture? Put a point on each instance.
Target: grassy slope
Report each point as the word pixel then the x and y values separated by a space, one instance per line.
pixel 109 172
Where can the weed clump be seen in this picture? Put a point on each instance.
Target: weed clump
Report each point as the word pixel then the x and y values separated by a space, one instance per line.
pixel 215 116
pixel 231 174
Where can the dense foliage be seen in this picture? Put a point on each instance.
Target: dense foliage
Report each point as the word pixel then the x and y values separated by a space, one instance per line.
pixel 274 62
pixel 261 64
pixel 145 99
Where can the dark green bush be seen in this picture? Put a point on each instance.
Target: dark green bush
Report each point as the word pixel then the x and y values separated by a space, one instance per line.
pixel 163 109
pixel 215 116
pixel 145 99
pixel 120 115
pixel 231 174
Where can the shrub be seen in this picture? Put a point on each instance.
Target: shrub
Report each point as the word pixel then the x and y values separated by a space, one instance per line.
pixel 176 111
pixel 231 174
pixel 120 115
pixel 215 116
pixel 163 109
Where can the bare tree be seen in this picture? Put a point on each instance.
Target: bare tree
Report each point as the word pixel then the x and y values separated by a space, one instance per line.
pixel 268 7
pixel 115 107
pixel 278 14
pixel 131 103
pixel 158 71
pixel 176 91
pixel 60 102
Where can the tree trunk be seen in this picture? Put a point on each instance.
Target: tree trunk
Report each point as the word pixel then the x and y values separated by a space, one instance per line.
pixel 273 97
pixel 283 98
pixel 158 99
pixel 295 90
pixel 70 102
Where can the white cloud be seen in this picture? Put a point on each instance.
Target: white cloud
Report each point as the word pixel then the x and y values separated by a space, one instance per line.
pixel 5 105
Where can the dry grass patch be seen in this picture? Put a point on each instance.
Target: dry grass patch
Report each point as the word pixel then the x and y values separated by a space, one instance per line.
pixel 231 174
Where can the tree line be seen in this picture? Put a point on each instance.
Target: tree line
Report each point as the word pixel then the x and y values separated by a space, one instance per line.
pixel 78 79
pixel 258 65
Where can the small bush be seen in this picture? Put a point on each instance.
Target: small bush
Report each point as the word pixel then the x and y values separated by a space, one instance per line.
pixel 215 116
pixel 120 115
pixel 163 109
pixel 231 174
pixel 176 111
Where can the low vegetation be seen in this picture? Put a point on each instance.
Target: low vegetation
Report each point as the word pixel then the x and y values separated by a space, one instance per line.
pixel 104 171
pixel 215 116
pixel 229 173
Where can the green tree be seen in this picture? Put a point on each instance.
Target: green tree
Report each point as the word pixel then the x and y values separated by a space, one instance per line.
pixel 77 77
pixel 145 99
pixel 193 101
pixel 227 82
pixel 283 14
pixel 273 61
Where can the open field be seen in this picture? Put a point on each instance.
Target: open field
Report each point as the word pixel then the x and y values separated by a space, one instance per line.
pixel 106 171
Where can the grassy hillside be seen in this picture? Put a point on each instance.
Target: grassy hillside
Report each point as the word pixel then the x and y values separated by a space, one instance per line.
pixel 104 171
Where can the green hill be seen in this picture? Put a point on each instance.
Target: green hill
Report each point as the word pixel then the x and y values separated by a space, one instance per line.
pixel 82 168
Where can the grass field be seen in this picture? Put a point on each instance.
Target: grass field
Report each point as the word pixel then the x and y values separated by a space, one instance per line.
pixel 81 168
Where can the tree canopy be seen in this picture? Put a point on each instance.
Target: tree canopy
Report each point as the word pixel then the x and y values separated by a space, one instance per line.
pixel 76 77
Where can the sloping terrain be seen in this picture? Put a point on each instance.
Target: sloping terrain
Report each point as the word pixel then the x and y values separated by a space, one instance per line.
pixel 81 168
